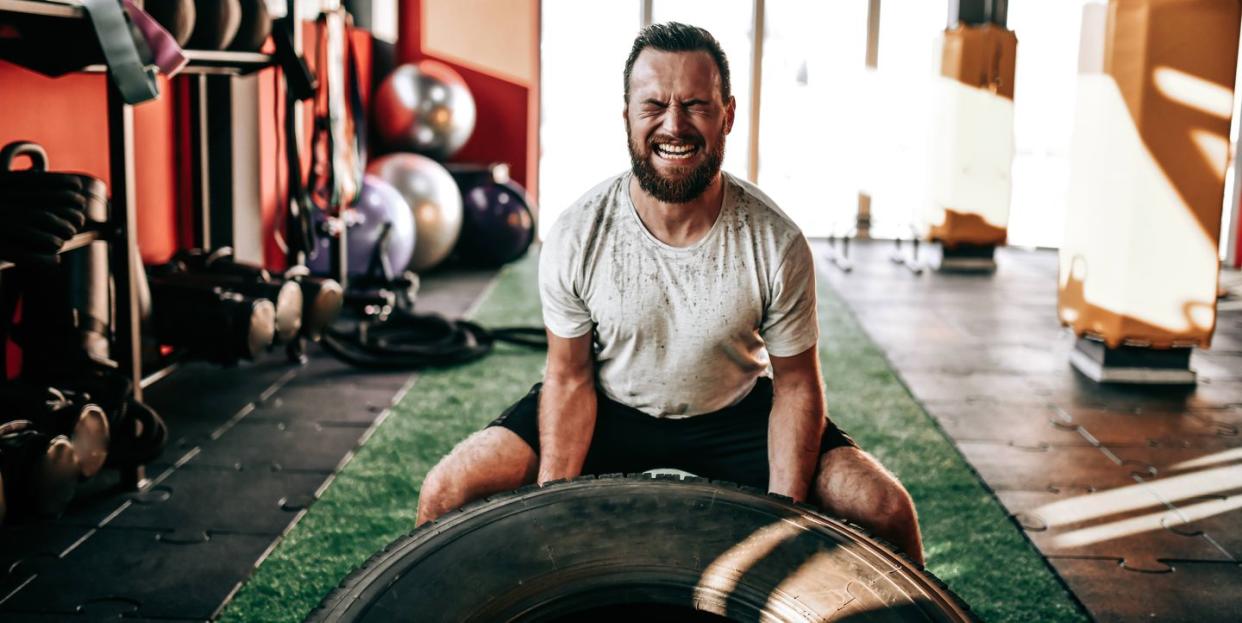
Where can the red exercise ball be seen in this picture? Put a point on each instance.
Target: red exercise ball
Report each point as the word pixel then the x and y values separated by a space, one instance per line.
pixel 424 107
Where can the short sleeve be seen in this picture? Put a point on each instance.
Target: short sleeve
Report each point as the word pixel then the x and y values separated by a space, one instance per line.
pixel 790 324
pixel 565 313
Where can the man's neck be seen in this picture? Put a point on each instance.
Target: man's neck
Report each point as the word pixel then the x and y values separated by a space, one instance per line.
pixel 679 224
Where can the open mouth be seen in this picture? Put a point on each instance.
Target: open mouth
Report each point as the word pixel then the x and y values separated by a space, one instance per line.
pixel 676 151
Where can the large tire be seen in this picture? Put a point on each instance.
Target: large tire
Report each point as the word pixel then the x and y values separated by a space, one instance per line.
pixel 647 548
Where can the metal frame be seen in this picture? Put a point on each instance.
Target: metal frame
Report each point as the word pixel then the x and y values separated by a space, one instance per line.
pixel 756 88
pixel 212 99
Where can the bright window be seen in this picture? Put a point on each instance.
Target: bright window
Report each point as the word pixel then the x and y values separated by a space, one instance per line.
pixel 582 136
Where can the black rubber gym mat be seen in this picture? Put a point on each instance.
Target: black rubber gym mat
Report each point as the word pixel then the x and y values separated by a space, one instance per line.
pixel 27 549
pixel 296 443
pixel 143 573
pixel 249 501
pixel 340 401
pixel 96 500
pixel 179 548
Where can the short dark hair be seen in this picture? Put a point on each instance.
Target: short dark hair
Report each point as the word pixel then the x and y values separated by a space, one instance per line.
pixel 678 37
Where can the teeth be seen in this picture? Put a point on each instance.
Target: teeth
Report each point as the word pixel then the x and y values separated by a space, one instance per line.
pixel 675 151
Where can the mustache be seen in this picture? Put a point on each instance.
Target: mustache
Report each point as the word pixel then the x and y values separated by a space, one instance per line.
pixel 695 140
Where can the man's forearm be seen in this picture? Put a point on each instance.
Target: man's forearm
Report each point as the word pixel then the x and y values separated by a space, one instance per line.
pixel 566 424
pixel 794 431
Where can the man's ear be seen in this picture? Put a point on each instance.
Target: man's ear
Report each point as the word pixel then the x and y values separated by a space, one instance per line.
pixel 730 111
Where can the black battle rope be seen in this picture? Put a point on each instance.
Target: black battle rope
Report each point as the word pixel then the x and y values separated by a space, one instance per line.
pixel 406 339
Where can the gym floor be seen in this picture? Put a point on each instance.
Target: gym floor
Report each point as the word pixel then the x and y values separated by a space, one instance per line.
pixel 1128 495
pixel 1132 494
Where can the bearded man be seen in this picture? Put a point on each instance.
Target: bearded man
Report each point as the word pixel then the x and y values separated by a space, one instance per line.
pixel 682 331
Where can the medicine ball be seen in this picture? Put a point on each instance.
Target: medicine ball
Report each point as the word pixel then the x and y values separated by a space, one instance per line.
pixel 215 25
pixel 255 26
pixel 176 16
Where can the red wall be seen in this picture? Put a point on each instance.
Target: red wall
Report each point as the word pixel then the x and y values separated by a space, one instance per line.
pixel 69 117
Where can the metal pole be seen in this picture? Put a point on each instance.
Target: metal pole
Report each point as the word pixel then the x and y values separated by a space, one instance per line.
pixel 124 228
pixel 756 88
pixel 645 10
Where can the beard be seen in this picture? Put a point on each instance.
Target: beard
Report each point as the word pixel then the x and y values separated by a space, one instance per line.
pixel 687 186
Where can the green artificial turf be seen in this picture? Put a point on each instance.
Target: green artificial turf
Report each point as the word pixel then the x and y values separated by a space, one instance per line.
pixel 970 542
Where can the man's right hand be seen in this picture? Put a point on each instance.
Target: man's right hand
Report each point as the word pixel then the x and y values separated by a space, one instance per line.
pixel 567 406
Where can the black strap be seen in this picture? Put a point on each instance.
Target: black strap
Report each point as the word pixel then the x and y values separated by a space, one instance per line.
pixel 133 80
pixel 356 108
pixel 321 182
pixel 409 340
pixel 299 83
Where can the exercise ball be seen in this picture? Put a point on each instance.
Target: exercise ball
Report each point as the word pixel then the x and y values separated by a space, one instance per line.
pixel 434 199
pixel 424 107
pixel 379 209
pixel 254 27
pixel 215 24
pixel 497 225
pixel 176 16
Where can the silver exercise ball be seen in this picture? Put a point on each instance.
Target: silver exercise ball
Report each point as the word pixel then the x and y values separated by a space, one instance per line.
pixel 434 199
pixel 425 107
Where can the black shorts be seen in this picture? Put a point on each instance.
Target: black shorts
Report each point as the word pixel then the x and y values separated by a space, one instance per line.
pixel 730 444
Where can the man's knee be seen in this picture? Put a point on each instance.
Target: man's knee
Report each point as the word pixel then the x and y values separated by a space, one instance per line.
pixel 489 461
pixel 439 492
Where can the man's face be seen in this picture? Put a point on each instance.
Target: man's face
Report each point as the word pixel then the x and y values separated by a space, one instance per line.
pixel 676 123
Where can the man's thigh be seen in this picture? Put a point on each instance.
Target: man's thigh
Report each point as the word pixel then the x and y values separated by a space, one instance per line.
pixel 489 461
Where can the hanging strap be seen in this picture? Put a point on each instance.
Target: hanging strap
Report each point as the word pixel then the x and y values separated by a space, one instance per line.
pixel 133 80
pixel 300 85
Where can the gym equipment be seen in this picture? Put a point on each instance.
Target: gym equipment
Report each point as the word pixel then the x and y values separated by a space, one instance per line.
pixel 424 107
pixel 380 234
pixel 254 27
pixel 433 198
pixel 215 24
pixel 55 47
pixel 90 436
pixel 166 53
pixel 53 412
pixel 498 225
pixel 43 209
pixel 321 298
pixel 219 269
pixel 176 16
pixel 40 471
pixel 399 338
pixel 210 321
pixel 67 309
pixel 702 550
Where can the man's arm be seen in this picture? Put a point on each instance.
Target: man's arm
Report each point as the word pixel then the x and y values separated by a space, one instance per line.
pixel 566 407
pixel 796 423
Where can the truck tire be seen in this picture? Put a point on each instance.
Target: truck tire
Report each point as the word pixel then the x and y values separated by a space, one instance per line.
pixel 639 548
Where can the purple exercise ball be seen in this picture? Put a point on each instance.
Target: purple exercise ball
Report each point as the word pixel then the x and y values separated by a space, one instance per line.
pixel 497 224
pixel 378 204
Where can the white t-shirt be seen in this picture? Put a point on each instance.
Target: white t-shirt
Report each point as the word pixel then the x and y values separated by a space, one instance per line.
pixel 679 331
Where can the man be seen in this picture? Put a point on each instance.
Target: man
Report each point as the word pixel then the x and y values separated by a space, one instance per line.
pixel 681 315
